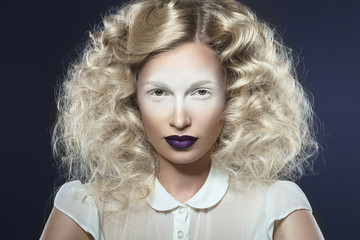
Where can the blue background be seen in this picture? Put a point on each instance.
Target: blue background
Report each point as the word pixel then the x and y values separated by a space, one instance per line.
pixel 37 42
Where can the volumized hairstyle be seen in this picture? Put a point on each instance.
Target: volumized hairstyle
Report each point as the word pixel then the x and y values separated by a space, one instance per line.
pixel 268 119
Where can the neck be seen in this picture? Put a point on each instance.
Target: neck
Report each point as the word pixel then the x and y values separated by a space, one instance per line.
pixel 183 181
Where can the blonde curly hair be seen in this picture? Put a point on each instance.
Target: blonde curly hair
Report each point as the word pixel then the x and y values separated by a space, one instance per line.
pixel 268 118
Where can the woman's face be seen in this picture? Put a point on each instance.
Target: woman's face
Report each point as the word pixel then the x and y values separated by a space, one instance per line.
pixel 181 96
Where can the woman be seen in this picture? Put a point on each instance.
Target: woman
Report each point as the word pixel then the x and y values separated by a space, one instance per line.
pixel 181 121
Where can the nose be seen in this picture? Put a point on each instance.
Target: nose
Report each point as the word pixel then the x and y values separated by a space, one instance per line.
pixel 180 119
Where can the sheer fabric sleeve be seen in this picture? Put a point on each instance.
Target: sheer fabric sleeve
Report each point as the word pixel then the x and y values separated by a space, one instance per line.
pixel 74 200
pixel 283 198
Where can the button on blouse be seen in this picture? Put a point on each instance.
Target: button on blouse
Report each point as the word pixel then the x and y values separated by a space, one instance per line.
pixel 219 210
pixel 210 193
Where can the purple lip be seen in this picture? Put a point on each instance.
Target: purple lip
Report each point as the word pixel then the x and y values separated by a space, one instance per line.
pixel 180 142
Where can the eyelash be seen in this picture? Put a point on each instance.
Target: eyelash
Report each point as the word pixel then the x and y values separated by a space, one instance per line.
pixel 161 92
pixel 197 92
pixel 153 92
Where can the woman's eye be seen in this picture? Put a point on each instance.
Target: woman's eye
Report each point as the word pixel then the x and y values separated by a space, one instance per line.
pixel 201 92
pixel 158 92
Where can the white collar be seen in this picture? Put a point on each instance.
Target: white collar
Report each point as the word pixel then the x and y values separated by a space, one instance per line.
pixel 209 194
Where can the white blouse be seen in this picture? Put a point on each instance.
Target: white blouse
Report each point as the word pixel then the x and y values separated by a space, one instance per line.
pixel 219 210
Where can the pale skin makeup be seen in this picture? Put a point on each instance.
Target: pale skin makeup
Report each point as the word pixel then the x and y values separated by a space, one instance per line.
pixel 182 93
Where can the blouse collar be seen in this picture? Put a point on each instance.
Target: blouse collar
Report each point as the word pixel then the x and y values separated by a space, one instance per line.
pixel 209 194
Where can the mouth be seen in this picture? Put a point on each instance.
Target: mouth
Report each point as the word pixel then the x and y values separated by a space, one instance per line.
pixel 180 142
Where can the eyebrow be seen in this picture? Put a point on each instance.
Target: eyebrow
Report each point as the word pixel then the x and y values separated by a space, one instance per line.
pixel 157 84
pixel 200 83
pixel 192 86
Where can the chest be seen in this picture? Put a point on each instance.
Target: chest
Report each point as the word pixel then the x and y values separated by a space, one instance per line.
pixel 235 217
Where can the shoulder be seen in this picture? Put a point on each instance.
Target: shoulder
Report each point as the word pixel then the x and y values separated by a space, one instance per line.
pixel 298 225
pixel 289 214
pixel 61 226
pixel 74 202
pixel 283 197
pixel 71 193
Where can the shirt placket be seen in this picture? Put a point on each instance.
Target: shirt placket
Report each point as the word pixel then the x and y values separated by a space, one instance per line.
pixel 181 223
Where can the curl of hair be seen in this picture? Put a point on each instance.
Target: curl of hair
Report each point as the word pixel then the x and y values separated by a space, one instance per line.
pixel 268 118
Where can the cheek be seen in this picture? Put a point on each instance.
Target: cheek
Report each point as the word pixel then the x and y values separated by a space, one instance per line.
pixel 153 118
pixel 211 118
pixel 149 120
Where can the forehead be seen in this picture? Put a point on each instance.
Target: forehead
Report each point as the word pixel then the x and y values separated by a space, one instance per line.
pixel 193 61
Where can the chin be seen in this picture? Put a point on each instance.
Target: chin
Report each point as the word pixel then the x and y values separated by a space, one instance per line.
pixel 185 157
